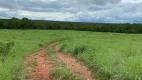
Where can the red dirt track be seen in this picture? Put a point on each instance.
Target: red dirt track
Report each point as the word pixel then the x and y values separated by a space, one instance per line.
pixel 44 65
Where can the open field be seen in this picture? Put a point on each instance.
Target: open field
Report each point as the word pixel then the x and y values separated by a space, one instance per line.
pixel 26 42
pixel 110 56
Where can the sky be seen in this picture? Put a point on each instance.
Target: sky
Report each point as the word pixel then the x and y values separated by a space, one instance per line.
pixel 102 11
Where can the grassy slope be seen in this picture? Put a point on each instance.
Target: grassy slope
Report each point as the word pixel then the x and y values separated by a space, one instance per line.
pixel 117 56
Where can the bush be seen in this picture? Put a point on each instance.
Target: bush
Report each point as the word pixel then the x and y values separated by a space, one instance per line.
pixel 79 49
pixel 5 48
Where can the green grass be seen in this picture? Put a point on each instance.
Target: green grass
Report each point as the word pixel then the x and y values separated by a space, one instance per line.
pixel 26 42
pixel 111 56
pixel 51 53
pixel 54 59
pixel 62 73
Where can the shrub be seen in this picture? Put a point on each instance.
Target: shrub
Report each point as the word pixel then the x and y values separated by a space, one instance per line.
pixel 5 48
pixel 79 49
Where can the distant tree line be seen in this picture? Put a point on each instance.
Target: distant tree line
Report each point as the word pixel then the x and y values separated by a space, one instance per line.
pixel 25 23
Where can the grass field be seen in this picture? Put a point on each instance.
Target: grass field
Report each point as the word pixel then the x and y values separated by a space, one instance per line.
pixel 26 42
pixel 111 56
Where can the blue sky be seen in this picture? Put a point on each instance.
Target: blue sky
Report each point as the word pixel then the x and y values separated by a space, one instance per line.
pixel 106 11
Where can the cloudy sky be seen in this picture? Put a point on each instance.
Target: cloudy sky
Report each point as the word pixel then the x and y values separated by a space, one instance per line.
pixel 107 11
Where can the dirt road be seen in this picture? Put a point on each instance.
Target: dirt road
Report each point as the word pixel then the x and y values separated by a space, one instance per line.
pixel 39 65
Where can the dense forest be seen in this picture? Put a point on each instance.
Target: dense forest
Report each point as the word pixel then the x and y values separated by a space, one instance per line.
pixel 25 23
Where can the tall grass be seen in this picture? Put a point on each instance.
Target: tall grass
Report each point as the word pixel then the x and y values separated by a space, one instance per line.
pixel 110 56
pixel 62 73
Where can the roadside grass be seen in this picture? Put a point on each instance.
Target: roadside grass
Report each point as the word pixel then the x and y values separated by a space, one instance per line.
pixel 32 63
pixel 53 58
pixel 51 52
pixel 62 73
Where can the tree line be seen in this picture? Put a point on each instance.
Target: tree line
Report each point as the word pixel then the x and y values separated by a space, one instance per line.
pixel 25 23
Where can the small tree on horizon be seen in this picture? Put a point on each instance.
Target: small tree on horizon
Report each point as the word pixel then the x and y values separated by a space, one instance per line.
pixel 14 23
pixel 25 23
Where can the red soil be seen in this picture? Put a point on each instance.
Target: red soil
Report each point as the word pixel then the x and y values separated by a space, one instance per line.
pixel 43 67
pixel 72 64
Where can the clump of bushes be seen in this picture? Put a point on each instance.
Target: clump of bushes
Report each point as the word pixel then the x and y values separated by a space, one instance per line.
pixel 75 50
pixel 79 49
pixel 5 48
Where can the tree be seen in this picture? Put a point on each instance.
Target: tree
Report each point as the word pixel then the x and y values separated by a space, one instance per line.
pixel 1 24
pixel 14 23
pixel 25 23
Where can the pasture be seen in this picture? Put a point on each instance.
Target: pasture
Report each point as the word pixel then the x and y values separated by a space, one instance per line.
pixel 110 56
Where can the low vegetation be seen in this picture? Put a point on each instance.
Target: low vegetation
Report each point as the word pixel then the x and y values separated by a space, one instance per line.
pixel 51 54
pixel 5 48
pixel 62 73
pixel 111 56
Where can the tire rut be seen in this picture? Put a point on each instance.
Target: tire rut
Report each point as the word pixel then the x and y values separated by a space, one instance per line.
pixel 72 64
pixel 42 65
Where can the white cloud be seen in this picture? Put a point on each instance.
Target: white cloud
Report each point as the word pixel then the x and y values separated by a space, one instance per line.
pixel 131 1
pixel 47 15
pixel 74 10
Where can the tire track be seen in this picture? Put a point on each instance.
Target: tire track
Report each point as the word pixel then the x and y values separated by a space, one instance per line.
pixel 43 65
pixel 72 64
